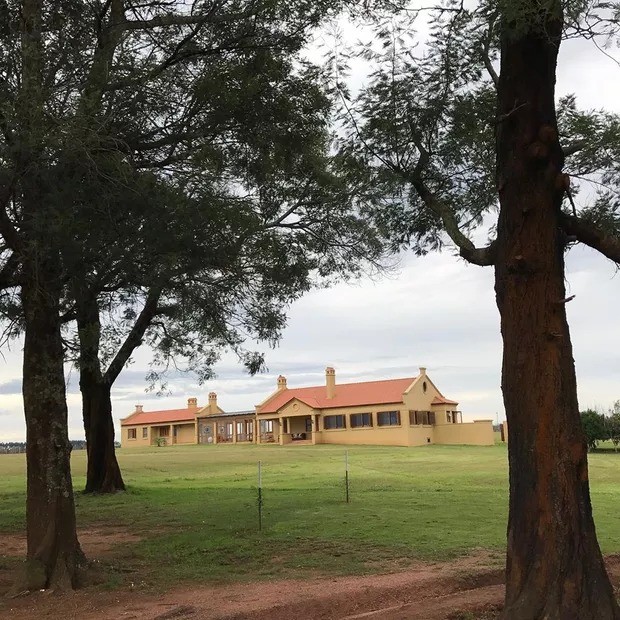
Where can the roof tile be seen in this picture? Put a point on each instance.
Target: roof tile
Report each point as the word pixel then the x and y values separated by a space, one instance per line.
pixel 347 395
pixel 164 417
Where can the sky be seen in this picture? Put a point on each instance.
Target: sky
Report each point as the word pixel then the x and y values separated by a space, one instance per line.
pixel 435 311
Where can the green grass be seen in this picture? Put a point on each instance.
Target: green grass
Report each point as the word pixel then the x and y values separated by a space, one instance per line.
pixel 195 508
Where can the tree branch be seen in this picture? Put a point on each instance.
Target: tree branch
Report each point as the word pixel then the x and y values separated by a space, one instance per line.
pixel 575 147
pixel 134 338
pixel 8 271
pixel 591 235
pixel 184 20
pixel 7 228
pixel 483 257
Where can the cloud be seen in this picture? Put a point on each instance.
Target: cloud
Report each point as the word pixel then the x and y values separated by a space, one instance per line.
pixel 14 386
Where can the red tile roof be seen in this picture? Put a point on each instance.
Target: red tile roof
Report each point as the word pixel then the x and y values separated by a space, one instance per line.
pixel 347 395
pixel 164 417
pixel 440 400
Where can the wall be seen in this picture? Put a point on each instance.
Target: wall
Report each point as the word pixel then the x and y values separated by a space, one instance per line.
pixel 420 434
pixel 186 433
pixel 139 441
pixel 298 425
pixel 472 433
pixel 375 435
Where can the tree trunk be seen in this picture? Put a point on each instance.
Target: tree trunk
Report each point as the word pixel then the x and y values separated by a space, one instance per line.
pixel 554 566
pixel 54 557
pixel 103 474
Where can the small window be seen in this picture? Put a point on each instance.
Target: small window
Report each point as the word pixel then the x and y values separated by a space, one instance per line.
pixel 334 421
pixel 359 420
pixel 266 426
pixel 145 432
pixel 388 418
pixel 164 431
pixel 131 433
pixel 449 416
pixel 424 386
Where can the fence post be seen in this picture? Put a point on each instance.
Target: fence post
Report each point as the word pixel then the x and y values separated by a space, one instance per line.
pixel 346 474
pixel 260 497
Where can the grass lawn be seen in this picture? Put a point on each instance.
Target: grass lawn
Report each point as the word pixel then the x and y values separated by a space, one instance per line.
pixel 195 508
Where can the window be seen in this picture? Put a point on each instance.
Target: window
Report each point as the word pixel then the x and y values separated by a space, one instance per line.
pixel 361 419
pixel 164 431
pixel 424 386
pixel 388 418
pixel 334 421
pixel 449 416
pixel 239 428
pixel 131 433
pixel 145 432
pixel 421 417
pixel 266 426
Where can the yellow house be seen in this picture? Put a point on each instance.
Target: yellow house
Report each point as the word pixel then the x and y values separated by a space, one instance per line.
pixel 165 427
pixel 394 412
pixel 193 424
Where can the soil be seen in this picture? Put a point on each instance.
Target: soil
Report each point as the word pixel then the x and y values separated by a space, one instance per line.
pixel 462 589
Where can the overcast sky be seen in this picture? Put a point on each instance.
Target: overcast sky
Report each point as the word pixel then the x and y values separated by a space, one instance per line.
pixel 436 312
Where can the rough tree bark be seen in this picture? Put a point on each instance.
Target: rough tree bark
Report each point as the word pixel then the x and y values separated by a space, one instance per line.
pixel 103 471
pixel 555 568
pixel 54 557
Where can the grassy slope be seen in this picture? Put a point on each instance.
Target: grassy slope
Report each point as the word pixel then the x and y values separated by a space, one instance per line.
pixel 195 507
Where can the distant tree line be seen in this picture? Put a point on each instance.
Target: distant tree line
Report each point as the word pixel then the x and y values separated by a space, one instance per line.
pixel 599 426
pixel 14 447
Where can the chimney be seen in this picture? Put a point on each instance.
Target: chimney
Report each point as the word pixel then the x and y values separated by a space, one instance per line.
pixel 138 409
pixel 422 371
pixel 212 402
pixel 330 382
pixel 281 383
pixel 192 403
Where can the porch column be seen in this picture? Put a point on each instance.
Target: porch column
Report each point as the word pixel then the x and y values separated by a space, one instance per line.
pixel 280 423
pixel 315 428
pixel 257 433
pixel 214 431
pixel 234 431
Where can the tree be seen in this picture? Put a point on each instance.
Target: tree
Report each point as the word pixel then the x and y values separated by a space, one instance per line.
pixel 447 137
pixel 595 427
pixel 613 424
pixel 98 96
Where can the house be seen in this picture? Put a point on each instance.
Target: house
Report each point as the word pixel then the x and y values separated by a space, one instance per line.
pixel 209 424
pixel 165 427
pixel 394 412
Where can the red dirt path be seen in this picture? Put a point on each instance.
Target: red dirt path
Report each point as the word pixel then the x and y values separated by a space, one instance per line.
pixel 441 591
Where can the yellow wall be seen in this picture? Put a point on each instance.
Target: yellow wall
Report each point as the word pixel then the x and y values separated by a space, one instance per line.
pixel 472 433
pixel 297 425
pixel 139 441
pixel 186 433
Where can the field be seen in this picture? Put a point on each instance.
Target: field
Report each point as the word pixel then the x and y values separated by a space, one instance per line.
pixel 190 514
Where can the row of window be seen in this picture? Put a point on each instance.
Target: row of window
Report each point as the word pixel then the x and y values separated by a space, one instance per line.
pixel 361 420
pixel 132 433
pixel 384 418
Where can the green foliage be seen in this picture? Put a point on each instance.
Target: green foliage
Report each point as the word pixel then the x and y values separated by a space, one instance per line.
pixel 594 427
pixel 187 162
pixel 422 131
